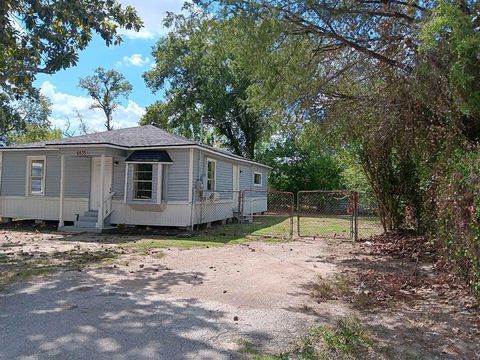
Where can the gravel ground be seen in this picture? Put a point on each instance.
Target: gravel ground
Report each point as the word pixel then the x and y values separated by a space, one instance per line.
pixel 108 298
pixel 188 304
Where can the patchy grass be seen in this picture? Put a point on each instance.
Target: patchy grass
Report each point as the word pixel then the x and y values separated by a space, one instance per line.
pixel 267 229
pixel 247 348
pixel 21 266
pixel 347 339
pixel 336 287
pixel 144 246
pixel 270 229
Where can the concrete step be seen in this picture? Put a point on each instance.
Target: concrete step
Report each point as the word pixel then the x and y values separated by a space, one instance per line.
pixel 93 213
pixel 85 224
pixel 76 229
pixel 72 229
pixel 84 218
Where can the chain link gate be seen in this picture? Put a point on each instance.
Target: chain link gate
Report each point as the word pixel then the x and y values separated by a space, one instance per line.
pixel 327 213
pixel 267 213
pixel 236 214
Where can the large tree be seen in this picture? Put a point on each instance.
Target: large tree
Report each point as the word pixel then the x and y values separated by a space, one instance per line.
pixel 43 36
pixel 298 164
pixel 205 88
pixel 361 69
pixel 30 122
pixel 106 87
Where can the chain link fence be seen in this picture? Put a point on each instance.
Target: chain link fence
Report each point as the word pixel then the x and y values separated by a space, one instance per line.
pixel 238 214
pixel 326 214
pixel 267 213
pixel 271 214
pixel 340 214
pixel 368 222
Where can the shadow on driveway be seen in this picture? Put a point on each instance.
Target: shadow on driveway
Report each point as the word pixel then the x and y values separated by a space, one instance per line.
pixel 78 316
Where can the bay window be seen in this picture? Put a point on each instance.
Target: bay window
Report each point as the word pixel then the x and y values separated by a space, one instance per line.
pixel 143 181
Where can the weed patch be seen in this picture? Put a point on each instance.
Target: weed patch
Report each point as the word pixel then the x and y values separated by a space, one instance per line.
pixel 347 339
pixel 337 287
pixel 247 348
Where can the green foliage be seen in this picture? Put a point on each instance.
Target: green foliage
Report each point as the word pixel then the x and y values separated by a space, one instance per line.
pixel 347 339
pixel 41 36
pixel 298 165
pixel 452 36
pixel 458 214
pixel 36 133
pixel 28 121
pixel 392 87
pixel 205 87
pixel 10 119
pixel 106 87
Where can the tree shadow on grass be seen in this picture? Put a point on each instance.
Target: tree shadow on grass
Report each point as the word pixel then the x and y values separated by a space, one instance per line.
pixel 218 234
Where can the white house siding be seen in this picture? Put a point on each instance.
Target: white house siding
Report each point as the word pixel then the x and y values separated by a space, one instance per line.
pixel 40 208
pixel 178 175
pixel 218 210
pixel 118 183
pixel 171 215
pixel 13 174
pixel 14 201
pixel 177 212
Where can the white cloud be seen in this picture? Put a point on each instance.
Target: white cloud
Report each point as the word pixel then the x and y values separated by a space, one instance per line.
pixel 152 13
pixel 65 106
pixel 141 34
pixel 134 60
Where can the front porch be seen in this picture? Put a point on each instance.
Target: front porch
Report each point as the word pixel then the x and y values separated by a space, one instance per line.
pixel 96 217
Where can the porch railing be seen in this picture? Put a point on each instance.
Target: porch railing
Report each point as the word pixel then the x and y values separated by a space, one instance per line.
pixel 107 209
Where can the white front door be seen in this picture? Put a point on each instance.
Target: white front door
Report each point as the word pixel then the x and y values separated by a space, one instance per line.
pixel 96 178
pixel 236 185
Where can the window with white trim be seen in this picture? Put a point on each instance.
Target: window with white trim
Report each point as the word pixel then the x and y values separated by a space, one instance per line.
pixel 257 179
pixel 143 181
pixel 211 174
pixel 36 175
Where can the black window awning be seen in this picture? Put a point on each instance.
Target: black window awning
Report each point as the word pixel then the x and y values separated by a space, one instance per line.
pixel 149 156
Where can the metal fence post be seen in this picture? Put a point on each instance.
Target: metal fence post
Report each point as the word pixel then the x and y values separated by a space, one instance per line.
pixel 298 213
pixel 355 215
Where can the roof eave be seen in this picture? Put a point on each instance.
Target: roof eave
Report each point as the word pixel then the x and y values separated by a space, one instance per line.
pixel 132 148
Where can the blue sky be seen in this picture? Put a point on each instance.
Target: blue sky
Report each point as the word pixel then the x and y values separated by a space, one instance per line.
pixel 132 58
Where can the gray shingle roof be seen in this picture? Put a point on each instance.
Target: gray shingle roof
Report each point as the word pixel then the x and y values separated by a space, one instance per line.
pixel 139 136
pixel 134 137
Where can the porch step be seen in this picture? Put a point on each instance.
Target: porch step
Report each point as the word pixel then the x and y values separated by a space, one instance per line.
pixel 76 229
pixel 87 218
pixel 85 224
pixel 88 223
pixel 91 213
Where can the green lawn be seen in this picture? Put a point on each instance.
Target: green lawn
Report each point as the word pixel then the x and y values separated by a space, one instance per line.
pixel 338 226
pixel 265 228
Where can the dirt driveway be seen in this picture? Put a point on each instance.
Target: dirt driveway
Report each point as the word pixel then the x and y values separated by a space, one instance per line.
pixel 186 304
pixel 100 297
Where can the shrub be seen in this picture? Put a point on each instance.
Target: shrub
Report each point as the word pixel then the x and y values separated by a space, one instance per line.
pixel 458 214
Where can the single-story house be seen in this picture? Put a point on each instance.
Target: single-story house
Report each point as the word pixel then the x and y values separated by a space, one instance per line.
pixel 136 176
